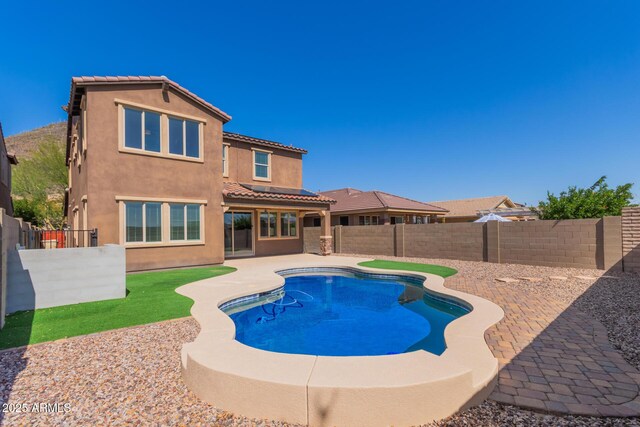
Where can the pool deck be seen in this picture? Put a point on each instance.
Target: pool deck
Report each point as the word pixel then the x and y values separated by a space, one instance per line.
pixel 403 389
pixel 554 357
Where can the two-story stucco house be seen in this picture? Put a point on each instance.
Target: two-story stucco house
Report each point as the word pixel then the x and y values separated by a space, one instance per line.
pixel 151 168
pixel 6 161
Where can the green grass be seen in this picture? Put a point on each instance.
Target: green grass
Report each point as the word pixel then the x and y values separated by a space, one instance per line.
pixel 151 297
pixel 439 270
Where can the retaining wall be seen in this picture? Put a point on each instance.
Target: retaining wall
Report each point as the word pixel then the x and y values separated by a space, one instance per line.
pixel 41 278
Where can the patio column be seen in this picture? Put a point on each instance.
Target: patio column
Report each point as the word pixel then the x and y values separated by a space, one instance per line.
pixel 326 243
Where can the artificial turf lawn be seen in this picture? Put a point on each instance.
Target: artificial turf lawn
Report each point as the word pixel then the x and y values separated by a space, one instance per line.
pixel 151 297
pixel 439 270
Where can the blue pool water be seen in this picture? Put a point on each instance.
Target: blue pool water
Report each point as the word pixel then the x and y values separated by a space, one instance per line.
pixel 352 315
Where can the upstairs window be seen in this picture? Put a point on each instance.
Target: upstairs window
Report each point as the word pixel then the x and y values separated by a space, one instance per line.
pixel 261 165
pixel 142 130
pixel 225 160
pixel 184 137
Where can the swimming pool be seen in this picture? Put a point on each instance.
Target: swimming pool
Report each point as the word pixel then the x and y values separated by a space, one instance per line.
pixel 345 313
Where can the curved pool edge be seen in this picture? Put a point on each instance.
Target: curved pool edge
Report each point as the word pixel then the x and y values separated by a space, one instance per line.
pixel 404 389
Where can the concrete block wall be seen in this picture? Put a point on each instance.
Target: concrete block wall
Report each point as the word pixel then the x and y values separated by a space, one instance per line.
pixel 586 243
pixel 365 240
pixel 41 278
pixel 311 240
pixel 464 241
pixel 569 243
pixel 631 239
pixel 611 238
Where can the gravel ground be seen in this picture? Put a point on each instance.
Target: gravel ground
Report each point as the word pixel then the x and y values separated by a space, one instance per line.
pixel 132 376
pixel 124 377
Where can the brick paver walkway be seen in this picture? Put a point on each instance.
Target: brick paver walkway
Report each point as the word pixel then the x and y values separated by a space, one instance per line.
pixel 554 357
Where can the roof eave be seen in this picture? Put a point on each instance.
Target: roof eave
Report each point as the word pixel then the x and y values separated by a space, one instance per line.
pixel 263 143
pixel 276 199
pixel 390 209
pixel 224 117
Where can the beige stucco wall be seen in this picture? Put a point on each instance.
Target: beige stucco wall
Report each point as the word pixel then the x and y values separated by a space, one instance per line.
pixel 279 246
pixel 286 166
pixel 106 172
pixel 79 165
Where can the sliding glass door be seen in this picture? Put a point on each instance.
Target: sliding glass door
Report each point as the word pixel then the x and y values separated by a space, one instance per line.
pixel 238 234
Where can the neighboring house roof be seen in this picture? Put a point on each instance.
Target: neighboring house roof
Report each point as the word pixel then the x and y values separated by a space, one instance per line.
pixel 519 210
pixel 101 80
pixel 350 199
pixel 235 190
pixel 263 142
pixel 471 207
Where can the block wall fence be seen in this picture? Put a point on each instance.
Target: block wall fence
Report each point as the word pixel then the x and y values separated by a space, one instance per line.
pixel 631 239
pixel 610 243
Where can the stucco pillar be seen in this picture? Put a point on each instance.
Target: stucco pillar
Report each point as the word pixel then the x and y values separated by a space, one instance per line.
pixel 326 240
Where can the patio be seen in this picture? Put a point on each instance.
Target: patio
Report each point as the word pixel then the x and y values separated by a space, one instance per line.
pixel 552 346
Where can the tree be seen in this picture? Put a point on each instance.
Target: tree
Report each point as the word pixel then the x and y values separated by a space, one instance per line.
pixel 39 184
pixel 596 201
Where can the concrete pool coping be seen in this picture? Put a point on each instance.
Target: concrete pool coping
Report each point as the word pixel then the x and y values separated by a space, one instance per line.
pixel 403 389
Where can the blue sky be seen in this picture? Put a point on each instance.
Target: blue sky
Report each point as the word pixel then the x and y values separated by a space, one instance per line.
pixel 431 100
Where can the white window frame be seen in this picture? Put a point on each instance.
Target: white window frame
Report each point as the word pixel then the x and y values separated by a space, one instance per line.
pixel 144 223
pixel 184 222
pixel 278 214
pixel 295 217
pixel 83 120
pixel 164 132
pixel 277 231
pixel 225 160
pixel 184 137
pixel 253 171
pixel 142 131
pixel 165 220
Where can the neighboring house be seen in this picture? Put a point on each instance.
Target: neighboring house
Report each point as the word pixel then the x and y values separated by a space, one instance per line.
pixel 151 168
pixel 466 210
pixel 356 207
pixel 6 160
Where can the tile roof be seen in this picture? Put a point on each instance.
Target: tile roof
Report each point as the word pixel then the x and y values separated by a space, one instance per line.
pixel 470 207
pixel 350 199
pixel 97 80
pixel 263 142
pixel 235 190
